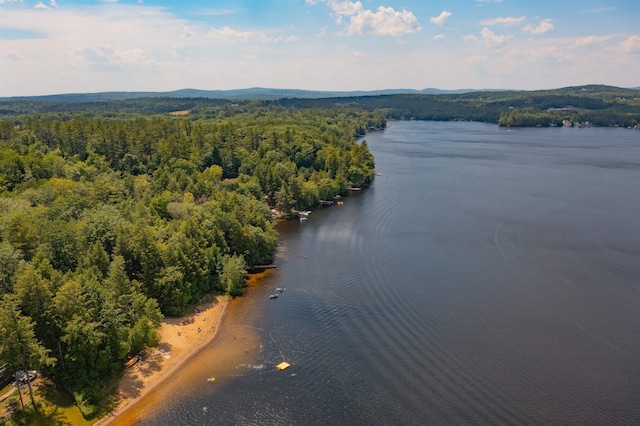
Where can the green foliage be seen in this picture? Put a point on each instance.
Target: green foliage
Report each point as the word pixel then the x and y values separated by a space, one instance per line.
pixel 10 257
pixel 107 224
pixel 171 291
pixel 599 105
pixel 233 274
pixel 20 349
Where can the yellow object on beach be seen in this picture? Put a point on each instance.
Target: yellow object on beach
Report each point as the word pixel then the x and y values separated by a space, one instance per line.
pixel 283 366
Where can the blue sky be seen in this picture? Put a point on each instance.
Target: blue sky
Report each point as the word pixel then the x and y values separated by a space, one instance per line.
pixel 61 46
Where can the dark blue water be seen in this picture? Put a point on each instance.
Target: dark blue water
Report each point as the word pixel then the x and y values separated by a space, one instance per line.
pixel 488 276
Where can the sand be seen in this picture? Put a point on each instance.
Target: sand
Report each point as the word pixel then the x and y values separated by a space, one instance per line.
pixel 178 343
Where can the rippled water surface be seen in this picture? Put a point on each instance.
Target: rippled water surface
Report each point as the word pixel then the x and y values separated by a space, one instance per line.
pixel 488 276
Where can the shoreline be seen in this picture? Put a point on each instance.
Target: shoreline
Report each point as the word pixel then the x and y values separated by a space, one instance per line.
pixel 179 342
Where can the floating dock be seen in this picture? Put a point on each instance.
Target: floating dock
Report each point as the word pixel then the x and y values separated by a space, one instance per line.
pixel 283 366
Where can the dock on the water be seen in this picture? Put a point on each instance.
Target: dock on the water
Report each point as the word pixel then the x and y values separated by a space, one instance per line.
pixel 261 267
pixel 283 366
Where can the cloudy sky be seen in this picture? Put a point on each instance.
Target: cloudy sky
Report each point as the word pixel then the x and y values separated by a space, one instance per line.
pixel 62 46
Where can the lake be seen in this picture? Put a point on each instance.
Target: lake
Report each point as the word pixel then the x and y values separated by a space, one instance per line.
pixel 487 276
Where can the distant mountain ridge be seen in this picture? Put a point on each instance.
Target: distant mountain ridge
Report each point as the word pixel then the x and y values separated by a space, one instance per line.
pixel 253 93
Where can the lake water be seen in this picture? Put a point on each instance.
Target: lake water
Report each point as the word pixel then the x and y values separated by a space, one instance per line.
pixel 488 276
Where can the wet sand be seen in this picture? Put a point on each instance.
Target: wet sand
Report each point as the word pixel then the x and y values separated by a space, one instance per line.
pixel 227 347
pixel 179 342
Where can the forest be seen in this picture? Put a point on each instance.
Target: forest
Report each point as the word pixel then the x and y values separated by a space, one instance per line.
pixel 114 214
pixel 598 105
pixel 113 218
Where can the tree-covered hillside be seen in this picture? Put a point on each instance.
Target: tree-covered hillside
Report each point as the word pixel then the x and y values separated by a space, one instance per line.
pixel 108 222
pixel 597 104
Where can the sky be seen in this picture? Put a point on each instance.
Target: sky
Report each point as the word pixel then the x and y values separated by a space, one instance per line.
pixel 80 46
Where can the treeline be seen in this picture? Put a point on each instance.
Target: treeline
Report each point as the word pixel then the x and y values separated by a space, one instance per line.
pixel 601 115
pixel 409 106
pixel 108 224
pixel 113 108
pixel 599 105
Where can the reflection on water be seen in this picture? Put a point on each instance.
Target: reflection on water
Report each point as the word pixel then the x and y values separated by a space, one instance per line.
pixel 487 276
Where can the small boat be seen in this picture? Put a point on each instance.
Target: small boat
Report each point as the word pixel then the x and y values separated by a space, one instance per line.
pixel 131 362
pixel 273 296
pixel 134 360
pixel 211 379
pixel 280 289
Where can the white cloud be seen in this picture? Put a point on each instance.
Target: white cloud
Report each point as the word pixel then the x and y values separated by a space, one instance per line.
pixel 264 38
pixel 84 48
pixel 630 45
pixel 438 36
pixel 470 38
pixel 543 27
pixel 588 41
pixel 491 39
pixel 475 59
pixel 226 33
pixel 345 8
pixel 558 62
pixel 105 57
pixel 385 21
pixel 187 31
pixel 508 21
pixel 41 5
pixel 441 19
pixel 180 50
pixel 115 46
pixel 13 55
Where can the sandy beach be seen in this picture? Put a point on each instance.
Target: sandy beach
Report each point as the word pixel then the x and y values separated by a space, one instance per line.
pixel 181 338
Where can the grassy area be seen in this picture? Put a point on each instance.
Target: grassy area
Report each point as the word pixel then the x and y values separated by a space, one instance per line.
pixel 54 407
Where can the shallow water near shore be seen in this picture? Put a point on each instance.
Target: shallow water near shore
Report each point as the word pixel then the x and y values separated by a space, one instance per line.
pixel 488 276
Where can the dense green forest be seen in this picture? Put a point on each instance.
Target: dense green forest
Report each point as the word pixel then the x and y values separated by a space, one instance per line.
pixel 598 105
pixel 111 219
pixel 116 213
